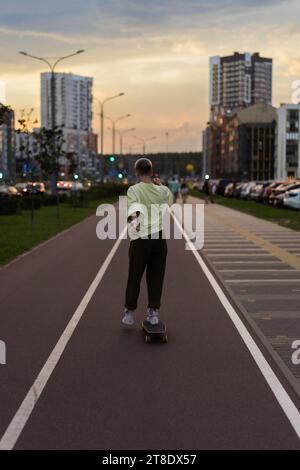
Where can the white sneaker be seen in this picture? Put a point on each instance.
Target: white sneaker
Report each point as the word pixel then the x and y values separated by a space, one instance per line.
pixel 128 318
pixel 153 316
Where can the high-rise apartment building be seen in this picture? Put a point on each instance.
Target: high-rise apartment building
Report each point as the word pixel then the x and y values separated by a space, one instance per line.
pixel 7 146
pixel 287 161
pixel 239 80
pixel 248 142
pixel 73 101
pixel 73 114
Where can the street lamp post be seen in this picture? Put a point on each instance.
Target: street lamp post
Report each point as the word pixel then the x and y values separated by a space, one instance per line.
pixel 101 114
pixel 114 122
pixel 121 133
pixel 167 141
pixel 144 142
pixel 52 66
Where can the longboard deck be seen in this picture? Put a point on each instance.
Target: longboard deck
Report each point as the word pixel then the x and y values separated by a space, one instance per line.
pixel 158 329
pixel 154 331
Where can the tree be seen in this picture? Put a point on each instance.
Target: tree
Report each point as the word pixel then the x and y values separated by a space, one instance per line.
pixel 49 149
pixel 3 111
pixel 72 162
pixel 25 123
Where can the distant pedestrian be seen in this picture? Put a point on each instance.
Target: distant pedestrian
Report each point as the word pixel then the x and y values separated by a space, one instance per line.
pixel 212 191
pixel 184 191
pixel 148 247
pixel 206 190
pixel 174 186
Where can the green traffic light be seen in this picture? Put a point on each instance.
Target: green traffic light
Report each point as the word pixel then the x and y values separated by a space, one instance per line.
pixel 120 176
pixel 112 158
pixel 76 177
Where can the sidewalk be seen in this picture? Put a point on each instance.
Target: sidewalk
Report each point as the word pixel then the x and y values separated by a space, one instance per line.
pixel 258 263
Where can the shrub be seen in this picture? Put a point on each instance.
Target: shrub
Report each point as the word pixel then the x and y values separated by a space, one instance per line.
pixel 9 205
pixel 79 198
pixel 51 200
pixel 28 202
pixel 107 190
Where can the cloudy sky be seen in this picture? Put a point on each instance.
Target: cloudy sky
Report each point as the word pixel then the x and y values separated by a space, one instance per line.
pixel 156 51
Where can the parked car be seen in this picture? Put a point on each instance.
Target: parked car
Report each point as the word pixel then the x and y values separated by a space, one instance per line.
pixel 245 192
pixel 21 186
pixel 228 191
pixel 253 190
pixel 78 186
pixel 32 189
pixel 222 185
pixel 278 201
pixel 281 189
pixel 237 190
pixel 258 190
pixel 9 191
pixel 268 190
pixel 64 186
pixel 292 199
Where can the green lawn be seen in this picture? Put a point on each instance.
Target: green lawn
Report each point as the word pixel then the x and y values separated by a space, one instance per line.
pixel 282 216
pixel 18 235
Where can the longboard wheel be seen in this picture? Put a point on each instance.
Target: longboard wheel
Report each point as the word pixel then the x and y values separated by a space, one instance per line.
pixel 148 339
pixel 165 338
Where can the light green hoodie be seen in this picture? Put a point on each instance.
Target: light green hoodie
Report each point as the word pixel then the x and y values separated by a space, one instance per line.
pixel 146 198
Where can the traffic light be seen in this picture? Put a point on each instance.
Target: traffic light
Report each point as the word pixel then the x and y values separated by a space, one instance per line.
pixel 1 175
pixel 112 159
pixel 76 177
pixel 120 175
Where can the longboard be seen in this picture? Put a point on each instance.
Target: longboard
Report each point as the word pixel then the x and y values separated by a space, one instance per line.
pixel 158 331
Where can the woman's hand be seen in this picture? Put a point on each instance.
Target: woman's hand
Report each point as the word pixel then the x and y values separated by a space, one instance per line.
pixel 135 221
pixel 157 181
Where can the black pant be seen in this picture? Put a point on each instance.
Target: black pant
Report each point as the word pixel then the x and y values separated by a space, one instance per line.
pixel 149 254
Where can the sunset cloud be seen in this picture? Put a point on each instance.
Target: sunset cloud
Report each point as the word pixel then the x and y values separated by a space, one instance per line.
pixel 156 52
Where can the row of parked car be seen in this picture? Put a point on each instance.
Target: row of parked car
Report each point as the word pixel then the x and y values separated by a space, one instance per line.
pixel 38 188
pixel 277 193
pixel 21 189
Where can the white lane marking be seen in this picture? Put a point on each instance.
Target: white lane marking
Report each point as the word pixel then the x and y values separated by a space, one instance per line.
pixel 22 415
pixel 289 245
pixel 257 270
pixel 284 238
pixel 227 242
pixel 233 250
pixel 240 255
pixel 284 400
pixel 253 281
pixel 243 262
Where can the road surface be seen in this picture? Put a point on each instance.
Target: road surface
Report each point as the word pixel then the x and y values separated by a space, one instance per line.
pixel 213 386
